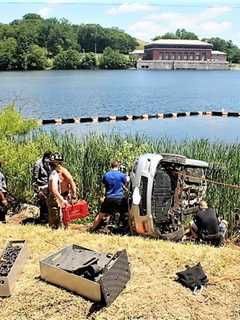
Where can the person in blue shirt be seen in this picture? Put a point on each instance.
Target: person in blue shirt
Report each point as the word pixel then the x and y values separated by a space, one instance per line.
pixel 115 183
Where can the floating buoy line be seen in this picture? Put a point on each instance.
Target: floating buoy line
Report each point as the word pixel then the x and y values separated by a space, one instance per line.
pixel 160 116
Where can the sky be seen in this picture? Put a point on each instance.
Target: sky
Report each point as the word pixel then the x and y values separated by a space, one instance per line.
pixel 142 19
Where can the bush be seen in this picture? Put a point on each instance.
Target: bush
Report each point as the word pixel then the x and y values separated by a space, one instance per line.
pixel 112 59
pixel 8 54
pixel 88 158
pixel 35 58
pixel 12 123
pixel 88 61
pixel 19 150
pixel 67 60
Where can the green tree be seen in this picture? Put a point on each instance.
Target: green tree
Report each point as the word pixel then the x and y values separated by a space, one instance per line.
pixel 119 40
pixel 60 36
pixel 232 51
pixel 218 43
pixel 179 34
pixel 93 37
pixel 36 58
pixel 187 35
pixel 8 51
pixel 6 31
pixel 26 33
pixel 113 59
pixel 233 54
pixel 69 59
pixel 32 16
pixel 168 35
pixel 88 61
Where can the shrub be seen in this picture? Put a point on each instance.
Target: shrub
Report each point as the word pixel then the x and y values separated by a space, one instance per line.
pixel 69 59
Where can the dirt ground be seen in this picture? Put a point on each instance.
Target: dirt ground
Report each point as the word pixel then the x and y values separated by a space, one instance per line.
pixel 151 293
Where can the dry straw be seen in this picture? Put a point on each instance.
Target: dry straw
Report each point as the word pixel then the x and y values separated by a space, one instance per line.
pixel 151 293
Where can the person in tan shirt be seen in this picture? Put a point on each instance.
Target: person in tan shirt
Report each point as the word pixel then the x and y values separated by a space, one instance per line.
pixel 68 186
pixel 62 190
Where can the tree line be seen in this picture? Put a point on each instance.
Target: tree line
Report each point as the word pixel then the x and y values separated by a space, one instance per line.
pixel 35 43
pixel 227 46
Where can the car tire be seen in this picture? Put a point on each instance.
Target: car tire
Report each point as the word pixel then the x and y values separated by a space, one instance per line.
pixel 173 236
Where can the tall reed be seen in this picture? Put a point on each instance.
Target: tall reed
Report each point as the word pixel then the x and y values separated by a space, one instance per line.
pixel 90 157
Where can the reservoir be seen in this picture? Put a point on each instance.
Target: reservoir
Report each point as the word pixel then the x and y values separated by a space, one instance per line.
pixel 67 94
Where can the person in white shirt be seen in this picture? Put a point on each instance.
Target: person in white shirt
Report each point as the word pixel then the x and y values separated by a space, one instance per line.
pixel 3 197
pixel 55 200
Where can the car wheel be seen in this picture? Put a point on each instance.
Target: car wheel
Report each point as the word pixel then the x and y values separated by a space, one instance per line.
pixel 173 236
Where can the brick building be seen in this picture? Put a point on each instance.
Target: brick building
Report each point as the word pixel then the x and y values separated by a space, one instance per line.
pixel 219 56
pixel 169 49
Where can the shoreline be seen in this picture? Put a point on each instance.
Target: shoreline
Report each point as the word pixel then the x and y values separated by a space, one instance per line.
pixel 231 67
pixel 235 66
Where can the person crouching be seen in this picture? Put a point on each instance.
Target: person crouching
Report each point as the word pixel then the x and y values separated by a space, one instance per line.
pixel 205 226
pixel 55 200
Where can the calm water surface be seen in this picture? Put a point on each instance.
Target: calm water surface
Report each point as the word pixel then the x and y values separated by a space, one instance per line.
pixel 62 94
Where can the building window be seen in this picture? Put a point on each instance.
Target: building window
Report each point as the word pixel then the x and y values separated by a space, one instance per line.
pixel 160 57
pixel 166 56
pixel 190 57
pixel 178 57
pixel 173 57
pixel 185 57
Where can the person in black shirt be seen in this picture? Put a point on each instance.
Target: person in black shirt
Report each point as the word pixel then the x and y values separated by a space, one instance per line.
pixel 40 176
pixel 205 225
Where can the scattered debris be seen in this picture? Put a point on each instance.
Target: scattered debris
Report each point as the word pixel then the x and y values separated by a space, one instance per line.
pixel 193 278
pixel 12 260
pixel 99 277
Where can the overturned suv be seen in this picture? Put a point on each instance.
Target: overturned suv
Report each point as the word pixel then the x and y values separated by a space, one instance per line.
pixel 165 188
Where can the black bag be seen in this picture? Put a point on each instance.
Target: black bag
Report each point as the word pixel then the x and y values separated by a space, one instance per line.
pixel 193 277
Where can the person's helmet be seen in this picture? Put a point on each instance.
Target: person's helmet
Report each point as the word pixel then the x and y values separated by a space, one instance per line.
pixel 56 156
pixel 47 155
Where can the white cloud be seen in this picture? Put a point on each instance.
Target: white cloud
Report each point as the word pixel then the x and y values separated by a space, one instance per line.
pixel 206 23
pixel 216 11
pixel 129 8
pixel 215 27
pixel 44 12
pixel 50 5
pixel 143 29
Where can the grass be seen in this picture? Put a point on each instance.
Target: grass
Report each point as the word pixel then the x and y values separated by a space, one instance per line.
pixel 151 293
pixel 89 157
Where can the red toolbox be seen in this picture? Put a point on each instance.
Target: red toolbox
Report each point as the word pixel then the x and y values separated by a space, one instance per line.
pixel 75 211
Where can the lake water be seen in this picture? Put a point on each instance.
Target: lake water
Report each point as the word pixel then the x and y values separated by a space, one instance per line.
pixel 63 94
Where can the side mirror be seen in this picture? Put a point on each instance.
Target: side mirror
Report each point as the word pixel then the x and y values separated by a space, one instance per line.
pixel 136 198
